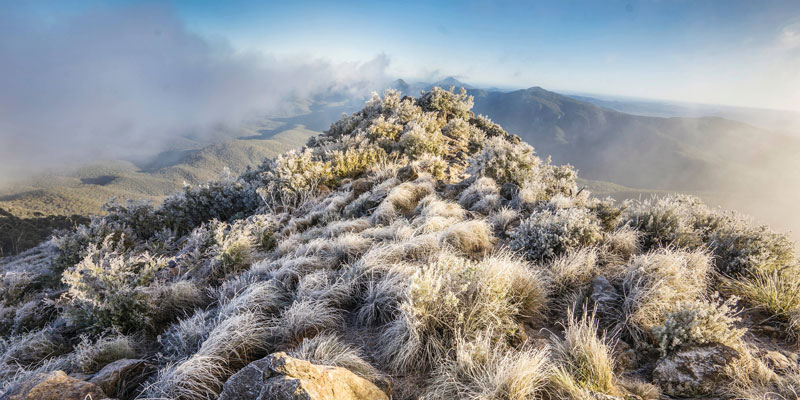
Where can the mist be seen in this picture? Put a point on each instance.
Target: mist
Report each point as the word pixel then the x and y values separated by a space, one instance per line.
pixel 121 82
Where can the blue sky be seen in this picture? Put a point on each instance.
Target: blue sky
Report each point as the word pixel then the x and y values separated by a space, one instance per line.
pixel 725 52
pixel 729 52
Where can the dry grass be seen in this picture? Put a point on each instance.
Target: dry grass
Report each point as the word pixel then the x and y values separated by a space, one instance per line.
pixel 486 370
pixel 328 349
pixel 654 281
pixel 584 361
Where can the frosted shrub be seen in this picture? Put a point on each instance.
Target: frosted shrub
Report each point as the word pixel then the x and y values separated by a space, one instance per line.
pixel 448 102
pixel 107 287
pixel 741 248
pixel 422 137
pixel 506 162
pixel 221 200
pixel 458 131
pixel 547 234
pixel 665 221
pixel 296 172
pixel 699 321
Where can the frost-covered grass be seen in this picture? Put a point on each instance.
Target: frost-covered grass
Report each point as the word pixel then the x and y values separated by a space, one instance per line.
pixel 413 242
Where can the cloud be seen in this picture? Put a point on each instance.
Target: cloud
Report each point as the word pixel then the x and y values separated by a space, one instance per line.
pixel 124 81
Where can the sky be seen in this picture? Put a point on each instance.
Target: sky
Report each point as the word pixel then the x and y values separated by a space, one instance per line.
pixel 744 53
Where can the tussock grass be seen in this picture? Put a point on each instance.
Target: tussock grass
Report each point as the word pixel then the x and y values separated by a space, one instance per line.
pixel 303 319
pixel 452 298
pixel 91 356
pixel 486 370
pixel 474 238
pixel 777 292
pixel 329 349
pixel 584 361
pixel 231 345
pixel 654 281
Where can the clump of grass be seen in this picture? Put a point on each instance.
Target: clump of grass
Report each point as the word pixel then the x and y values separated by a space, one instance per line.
pixel 776 291
pixel 232 344
pixel 328 349
pixel 487 370
pixel 303 319
pixel 451 298
pixel 91 356
pixel 474 238
pixel 584 361
pixel 654 281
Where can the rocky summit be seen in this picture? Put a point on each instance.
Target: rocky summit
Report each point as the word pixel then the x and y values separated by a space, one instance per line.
pixel 414 250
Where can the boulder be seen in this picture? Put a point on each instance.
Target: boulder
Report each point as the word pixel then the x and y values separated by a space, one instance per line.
pixel 281 377
pixel 122 377
pixel 693 370
pixel 54 386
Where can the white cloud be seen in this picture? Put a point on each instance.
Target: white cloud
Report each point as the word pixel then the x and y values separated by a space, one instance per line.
pixel 124 81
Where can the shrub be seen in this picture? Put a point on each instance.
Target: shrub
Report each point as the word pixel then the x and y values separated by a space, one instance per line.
pixel 741 248
pixel 486 370
pixel 666 221
pixel 447 102
pixel 422 137
pixel 506 162
pixel 547 234
pixel 106 288
pixel 698 321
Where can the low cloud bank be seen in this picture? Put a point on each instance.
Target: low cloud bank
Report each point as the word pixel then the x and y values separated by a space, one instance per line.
pixel 124 81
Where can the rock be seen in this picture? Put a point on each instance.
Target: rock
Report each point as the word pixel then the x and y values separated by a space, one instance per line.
pixel 360 186
pixel 509 190
pixel 606 300
pixel 407 173
pixel 122 377
pixel 54 386
pixel 626 357
pixel 693 370
pixel 281 377
pixel 777 361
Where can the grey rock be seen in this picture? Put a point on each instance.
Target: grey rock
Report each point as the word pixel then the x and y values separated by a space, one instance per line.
pixel 281 377
pixel 54 386
pixel 693 370
pixel 606 300
pixel 122 377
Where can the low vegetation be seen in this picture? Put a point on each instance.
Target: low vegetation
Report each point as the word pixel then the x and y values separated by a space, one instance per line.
pixel 416 243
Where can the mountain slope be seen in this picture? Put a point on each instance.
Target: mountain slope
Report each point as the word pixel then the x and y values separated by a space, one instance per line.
pixel 423 248
pixel 637 151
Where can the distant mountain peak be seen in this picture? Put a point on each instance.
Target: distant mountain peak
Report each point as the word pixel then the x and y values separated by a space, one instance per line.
pixel 451 81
